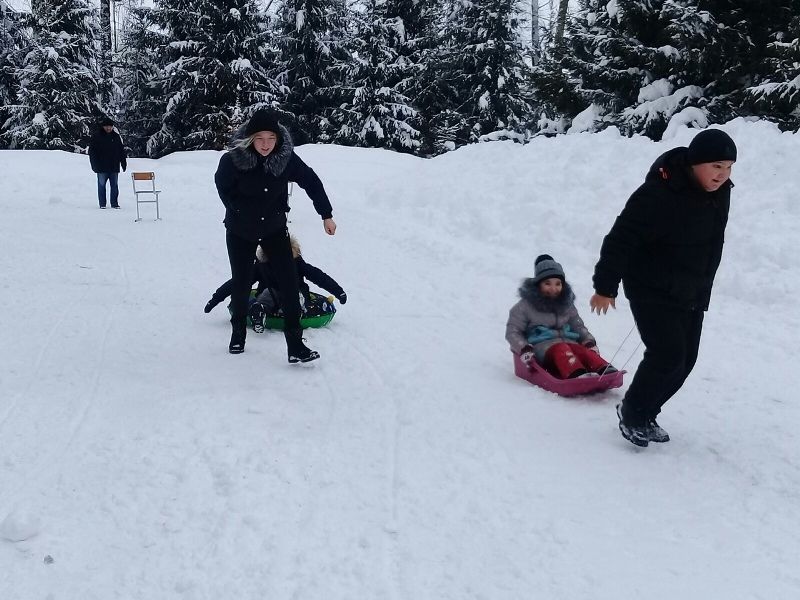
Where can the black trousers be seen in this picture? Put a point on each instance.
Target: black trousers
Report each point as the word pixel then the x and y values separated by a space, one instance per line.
pixel 671 337
pixel 277 248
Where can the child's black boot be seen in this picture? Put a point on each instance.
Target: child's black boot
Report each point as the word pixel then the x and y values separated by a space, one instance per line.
pixel 257 315
pixel 211 304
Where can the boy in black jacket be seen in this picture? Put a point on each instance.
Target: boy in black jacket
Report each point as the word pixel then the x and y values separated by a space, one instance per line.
pixel 665 247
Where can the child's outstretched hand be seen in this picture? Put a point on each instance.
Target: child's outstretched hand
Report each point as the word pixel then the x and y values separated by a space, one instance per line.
pixel 600 303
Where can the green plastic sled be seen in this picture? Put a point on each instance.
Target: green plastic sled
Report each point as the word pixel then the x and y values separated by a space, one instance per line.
pixel 307 322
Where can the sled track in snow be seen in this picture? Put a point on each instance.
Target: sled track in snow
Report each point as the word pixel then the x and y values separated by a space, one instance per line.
pixel 37 365
pixel 51 461
pixel 391 557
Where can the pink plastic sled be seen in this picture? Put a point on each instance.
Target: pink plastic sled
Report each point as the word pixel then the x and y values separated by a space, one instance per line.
pixel 536 374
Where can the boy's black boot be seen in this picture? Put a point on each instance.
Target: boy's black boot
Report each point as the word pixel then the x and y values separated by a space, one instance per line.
pixel 238 335
pixel 635 434
pixel 655 433
pixel 211 304
pixel 298 352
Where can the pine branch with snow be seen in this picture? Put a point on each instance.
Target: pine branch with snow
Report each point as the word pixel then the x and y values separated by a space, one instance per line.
pixel 58 101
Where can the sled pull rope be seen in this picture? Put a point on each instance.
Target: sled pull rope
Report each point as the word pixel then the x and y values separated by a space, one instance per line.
pixel 620 348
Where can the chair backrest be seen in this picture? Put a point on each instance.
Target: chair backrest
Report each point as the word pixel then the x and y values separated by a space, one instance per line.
pixel 143 176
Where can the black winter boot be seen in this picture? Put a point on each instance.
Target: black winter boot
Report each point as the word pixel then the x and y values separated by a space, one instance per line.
pixel 635 434
pixel 211 304
pixel 238 336
pixel 655 433
pixel 298 352
pixel 257 314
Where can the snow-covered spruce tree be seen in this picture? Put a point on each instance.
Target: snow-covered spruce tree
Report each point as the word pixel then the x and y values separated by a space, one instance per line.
pixel 374 112
pixel 311 37
pixel 209 71
pixel 141 104
pixel 12 41
pixel 415 69
pixel 774 82
pixel 483 72
pixel 636 63
pixel 58 98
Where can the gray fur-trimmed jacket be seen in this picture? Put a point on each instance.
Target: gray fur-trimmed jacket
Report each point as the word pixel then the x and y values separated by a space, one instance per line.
pixel 255 189
pixel 541 322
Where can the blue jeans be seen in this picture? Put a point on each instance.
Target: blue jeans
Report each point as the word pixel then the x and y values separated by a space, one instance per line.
pixel 101 188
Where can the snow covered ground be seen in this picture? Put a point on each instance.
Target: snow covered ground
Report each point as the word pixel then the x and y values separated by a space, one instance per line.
pixel 139 460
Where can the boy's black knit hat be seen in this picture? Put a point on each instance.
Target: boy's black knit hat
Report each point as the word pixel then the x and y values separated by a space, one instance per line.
pixel 262 120
pixel 546 267
pixel 711 145
pixel 106 121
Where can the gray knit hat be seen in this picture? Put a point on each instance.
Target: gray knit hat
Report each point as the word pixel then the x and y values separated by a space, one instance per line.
pixel 545 268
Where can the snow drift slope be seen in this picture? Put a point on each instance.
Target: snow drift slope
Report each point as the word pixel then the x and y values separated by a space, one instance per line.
pixel 146 462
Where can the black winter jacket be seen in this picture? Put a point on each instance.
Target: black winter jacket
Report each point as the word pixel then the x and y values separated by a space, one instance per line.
pixel 666 244
pixel 255 189
pixel 106 152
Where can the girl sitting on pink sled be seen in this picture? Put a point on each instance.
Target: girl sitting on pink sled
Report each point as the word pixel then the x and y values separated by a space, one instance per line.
pixel 544 326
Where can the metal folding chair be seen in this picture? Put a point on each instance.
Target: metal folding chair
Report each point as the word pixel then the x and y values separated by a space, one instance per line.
pixel 145 176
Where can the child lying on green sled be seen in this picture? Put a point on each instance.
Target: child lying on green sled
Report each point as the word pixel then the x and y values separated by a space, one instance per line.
pixel 265 304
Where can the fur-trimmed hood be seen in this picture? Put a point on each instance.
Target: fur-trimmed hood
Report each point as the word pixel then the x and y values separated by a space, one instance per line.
pixel 246 158
pixel 529 291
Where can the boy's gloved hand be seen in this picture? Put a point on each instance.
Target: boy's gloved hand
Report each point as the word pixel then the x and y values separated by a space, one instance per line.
pixel 343 298
pixel 526 354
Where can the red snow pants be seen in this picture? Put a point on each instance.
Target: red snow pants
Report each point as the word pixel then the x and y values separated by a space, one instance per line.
pixel 565 358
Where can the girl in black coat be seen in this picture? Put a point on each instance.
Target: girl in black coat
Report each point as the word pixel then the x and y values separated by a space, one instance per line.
pixel 253 182
pixel 665 247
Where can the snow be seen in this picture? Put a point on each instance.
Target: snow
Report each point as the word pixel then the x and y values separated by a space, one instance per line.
pixel 689 116
pixel 669 51
pixel 789 87
pixel 655 106
pixel 483 101
pixel 19 526
pixel 612 9
pixel 585 120
pixel 140 460
pixel 658 89
pixel 241 64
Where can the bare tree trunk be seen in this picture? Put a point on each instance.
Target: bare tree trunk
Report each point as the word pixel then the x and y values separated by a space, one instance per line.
pixel 535 31
pixel 105 52
pixel 560 23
